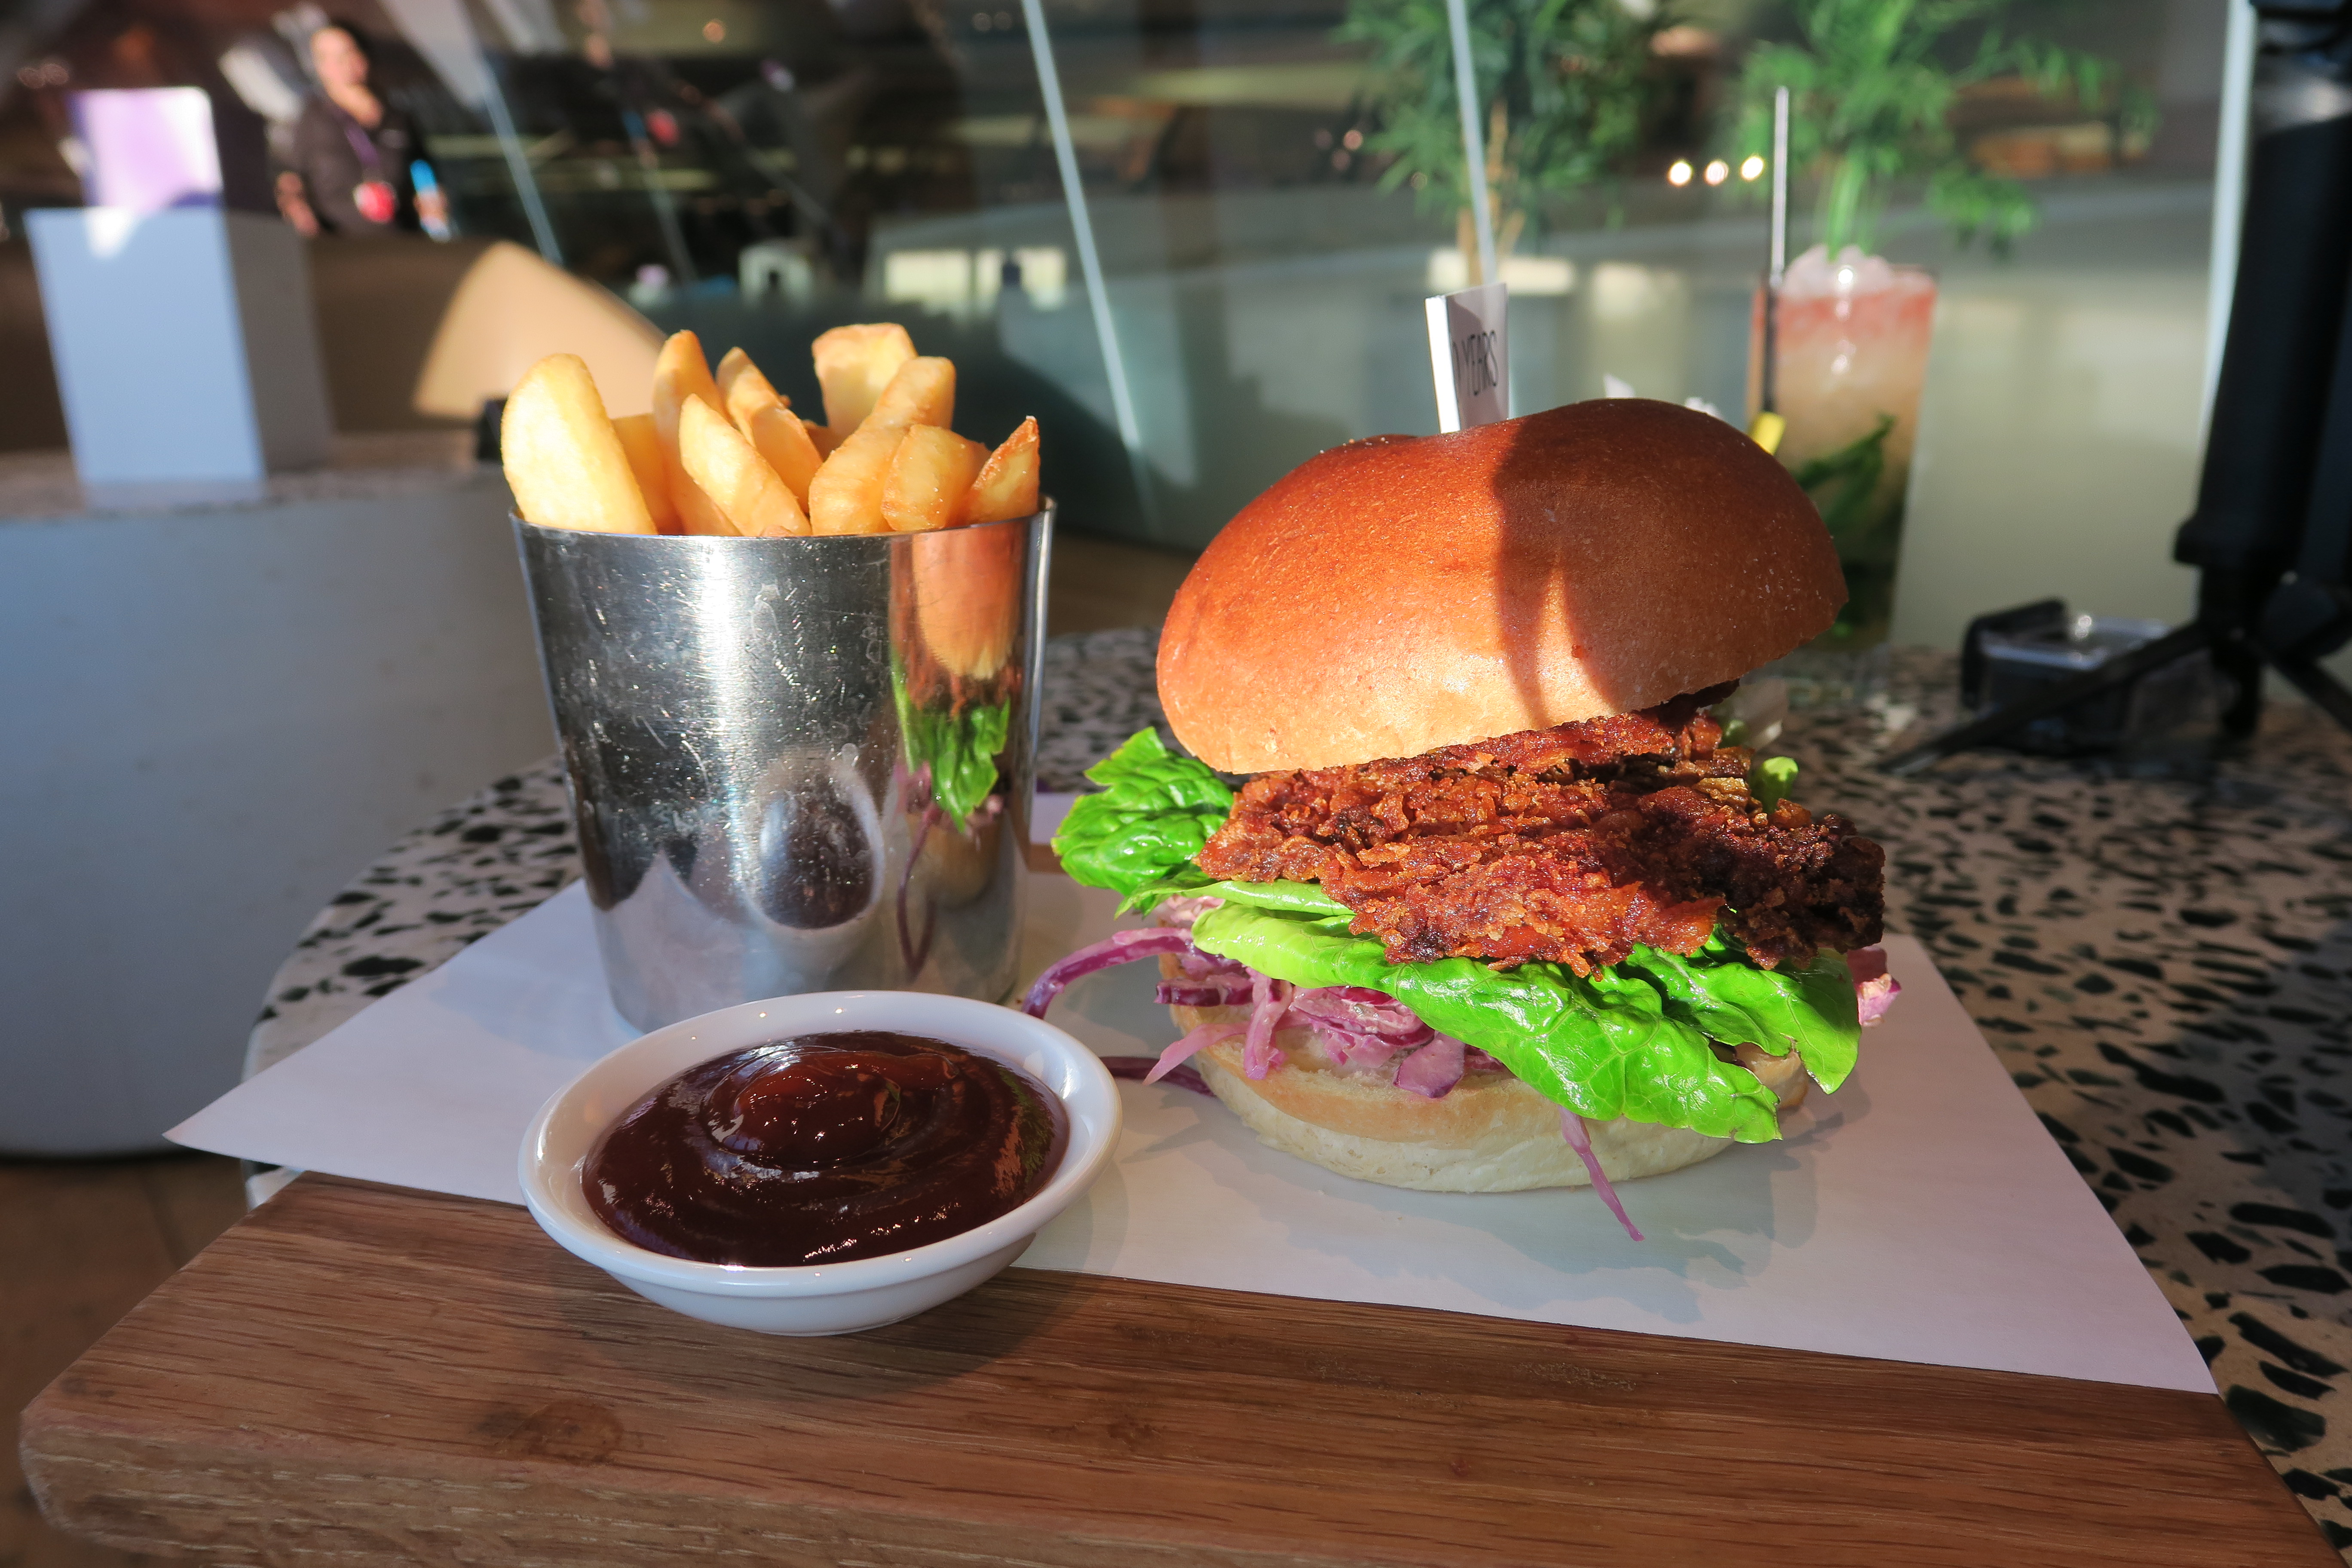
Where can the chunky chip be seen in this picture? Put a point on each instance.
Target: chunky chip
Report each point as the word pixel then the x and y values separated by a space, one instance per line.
pixel 854 365
pixel 724 465
pixel 680 372
pixel 1006 485
pixel 726 453
pixel 929 479
pixel 643 444
pixel 563 460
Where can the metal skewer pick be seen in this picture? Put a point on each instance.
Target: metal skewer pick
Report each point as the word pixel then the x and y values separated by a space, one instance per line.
pixel 1769 425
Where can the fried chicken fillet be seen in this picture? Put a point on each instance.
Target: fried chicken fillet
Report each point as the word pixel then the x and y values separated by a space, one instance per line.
pixel 1571 845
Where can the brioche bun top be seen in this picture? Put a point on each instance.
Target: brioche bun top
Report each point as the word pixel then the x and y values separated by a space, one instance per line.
pixel 1400 593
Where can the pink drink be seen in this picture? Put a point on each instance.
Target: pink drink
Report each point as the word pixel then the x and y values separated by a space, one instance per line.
pixel 1852 355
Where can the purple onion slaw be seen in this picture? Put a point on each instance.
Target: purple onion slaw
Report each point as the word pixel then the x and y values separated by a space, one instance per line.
pixel 1359 1028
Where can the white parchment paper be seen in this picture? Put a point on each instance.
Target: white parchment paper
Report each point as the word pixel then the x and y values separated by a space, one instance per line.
pixel 1919 1215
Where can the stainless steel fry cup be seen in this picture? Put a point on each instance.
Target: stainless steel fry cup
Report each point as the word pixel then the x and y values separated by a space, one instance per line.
pixel 796 764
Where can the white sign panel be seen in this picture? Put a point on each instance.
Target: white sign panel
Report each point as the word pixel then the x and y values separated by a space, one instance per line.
pixel 1469 356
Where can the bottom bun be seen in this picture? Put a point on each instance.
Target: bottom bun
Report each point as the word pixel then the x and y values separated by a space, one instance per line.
pixel 1520 1147
pixel 1490 1133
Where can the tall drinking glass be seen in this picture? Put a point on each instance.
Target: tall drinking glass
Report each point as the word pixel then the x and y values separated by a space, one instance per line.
pixel 1852 338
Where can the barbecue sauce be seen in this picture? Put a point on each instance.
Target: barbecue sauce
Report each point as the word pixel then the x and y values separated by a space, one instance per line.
pixel 825 1148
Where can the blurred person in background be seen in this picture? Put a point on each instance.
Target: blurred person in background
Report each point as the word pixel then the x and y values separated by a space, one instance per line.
pixel 350 168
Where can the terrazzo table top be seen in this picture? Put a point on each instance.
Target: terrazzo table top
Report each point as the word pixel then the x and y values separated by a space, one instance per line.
pixel 2164 964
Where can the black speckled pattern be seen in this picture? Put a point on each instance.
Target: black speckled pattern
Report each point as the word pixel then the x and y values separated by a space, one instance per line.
pixel 1099 689
pixel 2162 964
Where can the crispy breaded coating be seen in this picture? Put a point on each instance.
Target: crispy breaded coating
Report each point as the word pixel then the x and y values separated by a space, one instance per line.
pixel 1571 845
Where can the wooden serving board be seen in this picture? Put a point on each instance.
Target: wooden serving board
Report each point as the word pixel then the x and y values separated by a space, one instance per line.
pixel 358 1374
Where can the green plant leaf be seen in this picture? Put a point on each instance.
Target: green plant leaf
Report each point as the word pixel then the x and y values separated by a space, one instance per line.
pixel 1571 82
pixel 1873 84
pixel 1289 898
pixel 1812 1009
pixel 1844 484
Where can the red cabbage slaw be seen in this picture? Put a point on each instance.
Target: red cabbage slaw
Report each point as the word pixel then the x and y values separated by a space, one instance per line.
pixel 1875 990
pixel 1139 1069
pixel 1572 1127
pixel 1357 1026
pixel 1119 947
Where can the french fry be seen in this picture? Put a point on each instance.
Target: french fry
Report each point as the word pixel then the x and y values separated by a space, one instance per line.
pixel 681 372
pixel 1007 485
pixel 643 444
pixel 921 393
pixel 765 416
pixel 845 497
pixel 930 479
pixel 783 440
pixel 727 454
pixel 563 461
pixel 734 367
pixel 746 391
pixel 854 365
pixel 681 366
pixel 723 464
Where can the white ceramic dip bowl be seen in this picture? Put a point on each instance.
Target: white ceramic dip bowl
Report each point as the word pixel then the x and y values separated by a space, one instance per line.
pixel 827 1297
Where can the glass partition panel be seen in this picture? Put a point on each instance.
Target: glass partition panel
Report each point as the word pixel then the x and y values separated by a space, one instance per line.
pixel 1272 188
pixel 1260 290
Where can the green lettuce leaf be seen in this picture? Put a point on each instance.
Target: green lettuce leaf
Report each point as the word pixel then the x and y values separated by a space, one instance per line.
pixel 1185 882
pixel 961 749
pixel 1630 1040
pixel 1291 898
pixel 1189 881
pixel 1720 989
pixel 1138 836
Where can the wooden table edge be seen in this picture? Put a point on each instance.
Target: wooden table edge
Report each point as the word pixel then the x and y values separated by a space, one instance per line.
pixel 69 1434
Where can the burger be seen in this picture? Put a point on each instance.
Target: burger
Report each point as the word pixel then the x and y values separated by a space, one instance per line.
pixel 1495 902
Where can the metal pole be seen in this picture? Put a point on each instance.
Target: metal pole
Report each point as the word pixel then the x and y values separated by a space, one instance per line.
pixel 1780 185
pixel 526 183
pixel 1473 140
pixel 443 33
pixel 1066 157
pixel 2229 195
pixel 1768 398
